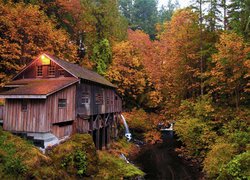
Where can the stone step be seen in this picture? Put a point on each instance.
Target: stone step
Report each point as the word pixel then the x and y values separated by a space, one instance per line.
pixel 46 137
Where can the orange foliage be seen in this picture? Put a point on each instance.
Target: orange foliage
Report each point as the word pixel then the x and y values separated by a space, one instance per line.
pixel 26 32
pixel 153 137
pixel 229 76
pixel 127 71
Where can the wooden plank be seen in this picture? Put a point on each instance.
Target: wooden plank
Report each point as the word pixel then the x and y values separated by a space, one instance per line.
pixel 56 114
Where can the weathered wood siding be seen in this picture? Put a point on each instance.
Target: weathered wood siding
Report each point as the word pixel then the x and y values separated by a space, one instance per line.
pixel 81 107
pixel 32 120
pixel 1 112
pixel 42 115
pixel 57 116
pixel 82 125
pixel 61 131
pixel 111 102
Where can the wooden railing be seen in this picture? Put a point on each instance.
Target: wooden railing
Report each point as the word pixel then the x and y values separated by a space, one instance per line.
pixel 1 112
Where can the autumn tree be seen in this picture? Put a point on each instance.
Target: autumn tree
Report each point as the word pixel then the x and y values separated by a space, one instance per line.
pixel 142 43
pixel 25 32
pixel 128 73
pixel 179 46
pixel 227 76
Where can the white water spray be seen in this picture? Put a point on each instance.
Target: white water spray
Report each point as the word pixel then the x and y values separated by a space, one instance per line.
pixel 127 133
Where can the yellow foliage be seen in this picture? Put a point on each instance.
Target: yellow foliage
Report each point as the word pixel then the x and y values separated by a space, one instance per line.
pixel 217 158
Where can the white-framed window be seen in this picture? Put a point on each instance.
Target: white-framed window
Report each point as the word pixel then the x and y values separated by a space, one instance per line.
pixel 85 98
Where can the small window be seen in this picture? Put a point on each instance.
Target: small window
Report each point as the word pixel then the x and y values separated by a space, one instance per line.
pixel 51 70
pixel 24 106
pixel 61 72
pixel 107 99
pixel 112 100
pixel 116 98
pixel 39 71
pixel 85 98
pixel 62 103
pixel 98 98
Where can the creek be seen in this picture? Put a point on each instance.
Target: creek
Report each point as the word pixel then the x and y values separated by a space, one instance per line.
pixel 160 161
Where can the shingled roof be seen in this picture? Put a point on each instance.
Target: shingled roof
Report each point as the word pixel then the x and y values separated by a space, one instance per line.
pixel 28 88
pixel 81 72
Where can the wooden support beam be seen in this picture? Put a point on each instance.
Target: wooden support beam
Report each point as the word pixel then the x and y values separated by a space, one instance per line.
pixel 97 140
pixel 103 138
pixel 108 137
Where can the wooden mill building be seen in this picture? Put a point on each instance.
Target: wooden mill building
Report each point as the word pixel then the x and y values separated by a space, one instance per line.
pixel 50 99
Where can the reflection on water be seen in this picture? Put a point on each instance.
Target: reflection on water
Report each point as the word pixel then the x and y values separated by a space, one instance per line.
pixel 161 162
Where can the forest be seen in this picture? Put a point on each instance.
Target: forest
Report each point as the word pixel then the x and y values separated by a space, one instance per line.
pixel 189 66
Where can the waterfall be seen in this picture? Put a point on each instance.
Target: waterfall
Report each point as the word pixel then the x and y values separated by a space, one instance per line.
pixel 127 133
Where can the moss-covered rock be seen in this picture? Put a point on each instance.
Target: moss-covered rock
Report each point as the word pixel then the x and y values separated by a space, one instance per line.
pixel 19 157
pixel 74 159
pixel 113 167
pixel 71 154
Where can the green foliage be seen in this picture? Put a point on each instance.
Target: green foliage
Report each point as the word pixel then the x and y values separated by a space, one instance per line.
pixel 197 136
pixel 102 56
pixel 166 13
pixel 77 155
pixel 218 157
pixel 202 108
pixel 73 159
pixel 11 164
pixel 76 159
pixel 138 120
pixel 200 124
pixel 141 14
pixel 14 166
pixel 113 167
pixel 238 168
pixel 239 21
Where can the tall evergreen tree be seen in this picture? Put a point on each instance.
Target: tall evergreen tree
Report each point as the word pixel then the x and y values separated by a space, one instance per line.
pixel 213 16
pixel 126 8
pixel 223 5
pixel 145 13
pixel 166 12
pixel 239 17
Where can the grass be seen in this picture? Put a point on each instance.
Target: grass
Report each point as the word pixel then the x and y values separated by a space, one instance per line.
pixel 113 167
pixel 73 159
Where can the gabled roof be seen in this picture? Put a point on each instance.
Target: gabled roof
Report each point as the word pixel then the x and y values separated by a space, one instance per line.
pixel 81 72
pixel 36 88
pixel 75 70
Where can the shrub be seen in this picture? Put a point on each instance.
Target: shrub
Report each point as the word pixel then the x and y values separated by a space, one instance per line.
pixel 196 135
pixel 238 168
pixel 14 166
pixel 152 137
pixel 219 156
pixel 138 120
pixel 77 159
pixel 76 156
